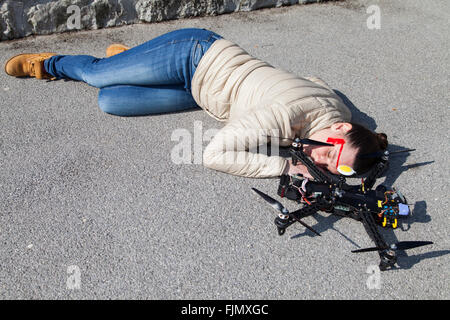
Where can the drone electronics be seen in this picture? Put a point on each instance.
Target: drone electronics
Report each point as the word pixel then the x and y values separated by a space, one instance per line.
pixel 329 193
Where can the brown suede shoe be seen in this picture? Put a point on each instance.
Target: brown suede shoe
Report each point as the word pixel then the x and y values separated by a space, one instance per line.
pixel 28 65
pixel 115 48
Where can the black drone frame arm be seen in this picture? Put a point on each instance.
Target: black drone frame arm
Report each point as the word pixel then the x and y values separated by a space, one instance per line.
pixel 309 210
pixel 372 229
pixel 298 155
pixel 297 215
pixel 377 171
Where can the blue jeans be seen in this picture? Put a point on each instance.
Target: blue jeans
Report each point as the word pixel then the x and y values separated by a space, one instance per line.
pixel 154 77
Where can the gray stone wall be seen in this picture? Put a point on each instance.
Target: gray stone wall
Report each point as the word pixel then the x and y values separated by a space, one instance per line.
pixel 23 18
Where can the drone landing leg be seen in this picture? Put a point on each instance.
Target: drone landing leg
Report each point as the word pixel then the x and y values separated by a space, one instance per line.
pixel 282 224
pixel 388 257
pixel 284 221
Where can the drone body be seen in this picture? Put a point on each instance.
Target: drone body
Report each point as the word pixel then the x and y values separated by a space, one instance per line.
pixel 386 205
pixel 373 207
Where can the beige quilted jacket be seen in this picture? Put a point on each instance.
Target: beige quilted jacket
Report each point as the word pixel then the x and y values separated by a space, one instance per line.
pixel 256 100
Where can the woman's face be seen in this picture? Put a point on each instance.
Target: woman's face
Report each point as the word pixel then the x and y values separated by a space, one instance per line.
pixel 326 157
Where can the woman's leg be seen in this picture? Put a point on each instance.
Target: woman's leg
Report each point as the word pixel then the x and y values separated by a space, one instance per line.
pixel 168 59
pixel 126 100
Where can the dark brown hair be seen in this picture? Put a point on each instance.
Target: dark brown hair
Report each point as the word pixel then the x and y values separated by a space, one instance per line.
pixel 367 142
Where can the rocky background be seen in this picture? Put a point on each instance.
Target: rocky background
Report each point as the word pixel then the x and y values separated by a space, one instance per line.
pixel 23 18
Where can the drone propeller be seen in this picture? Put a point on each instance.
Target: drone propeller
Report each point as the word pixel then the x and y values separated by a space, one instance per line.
pixel 274 203
pixel 401 151
pixel 277 205
pixel 315 142
pixel 379 154
pixel 306 141
pixel 402 245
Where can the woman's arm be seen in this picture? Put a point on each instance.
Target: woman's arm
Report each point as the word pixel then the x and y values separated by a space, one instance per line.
pixel 230 151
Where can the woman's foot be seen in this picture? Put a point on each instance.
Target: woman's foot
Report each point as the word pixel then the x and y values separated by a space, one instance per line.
pixel 115 48
pixel 28 65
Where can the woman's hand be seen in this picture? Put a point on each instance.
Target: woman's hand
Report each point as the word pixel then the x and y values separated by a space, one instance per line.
pixel 297 169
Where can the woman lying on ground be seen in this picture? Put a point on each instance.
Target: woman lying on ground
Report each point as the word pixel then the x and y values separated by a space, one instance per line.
pixel 191 68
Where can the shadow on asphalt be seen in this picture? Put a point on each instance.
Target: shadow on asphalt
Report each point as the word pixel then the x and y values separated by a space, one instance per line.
pixel 357 115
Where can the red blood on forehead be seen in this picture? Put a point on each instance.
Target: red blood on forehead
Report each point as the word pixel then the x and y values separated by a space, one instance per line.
pixel 337 141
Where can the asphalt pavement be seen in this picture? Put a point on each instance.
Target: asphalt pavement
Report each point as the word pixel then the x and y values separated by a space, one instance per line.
pixel 93 206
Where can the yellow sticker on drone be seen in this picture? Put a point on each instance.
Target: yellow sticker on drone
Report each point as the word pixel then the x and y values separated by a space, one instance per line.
pixel 345 170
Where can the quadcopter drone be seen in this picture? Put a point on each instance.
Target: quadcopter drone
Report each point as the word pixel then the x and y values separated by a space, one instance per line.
pixel 330 193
